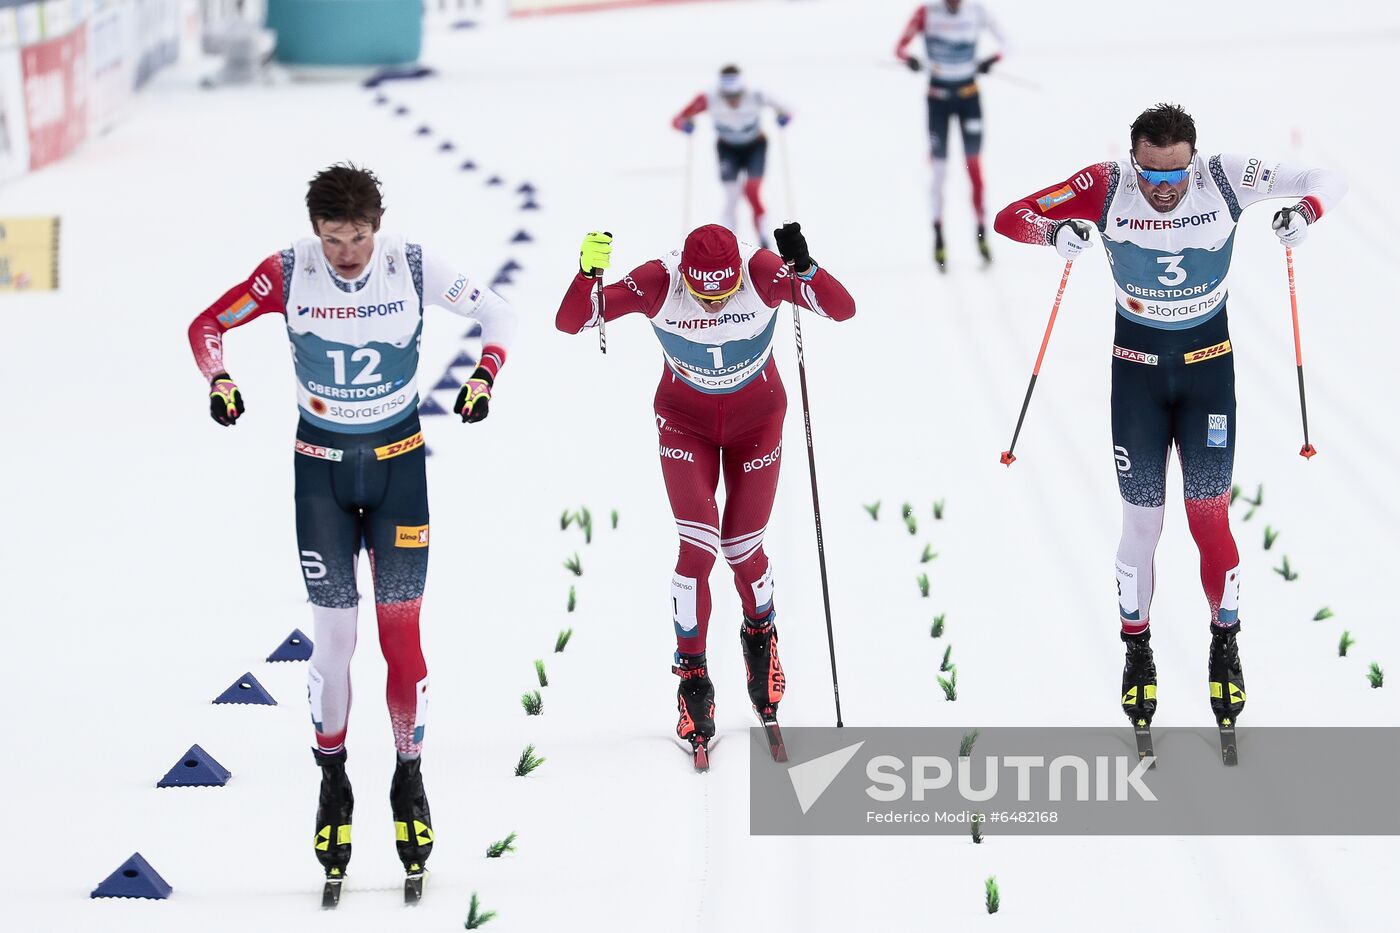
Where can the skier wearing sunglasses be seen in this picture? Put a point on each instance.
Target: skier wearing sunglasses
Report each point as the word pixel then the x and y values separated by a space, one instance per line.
pixel 1167 216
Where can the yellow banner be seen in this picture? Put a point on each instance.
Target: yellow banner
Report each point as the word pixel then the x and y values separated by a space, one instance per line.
pixel 28 254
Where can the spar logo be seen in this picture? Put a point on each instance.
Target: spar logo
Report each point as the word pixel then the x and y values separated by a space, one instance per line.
pixel 710 281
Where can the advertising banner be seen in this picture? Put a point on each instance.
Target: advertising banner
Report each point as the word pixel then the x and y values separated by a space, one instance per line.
pixel 111 64
pixel 14 135
pixel 55 96
pixel 28 254
pixel 157 37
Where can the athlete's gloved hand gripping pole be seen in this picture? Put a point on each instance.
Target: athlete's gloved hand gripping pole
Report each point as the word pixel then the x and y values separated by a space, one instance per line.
pixel 792 246
pixel 474 399
pixel 226 401
pixel 593 257
pixel 1071 238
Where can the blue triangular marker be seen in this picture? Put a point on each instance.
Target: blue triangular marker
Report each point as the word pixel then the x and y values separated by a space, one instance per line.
pixel 522 236
pixel 424 130
pixel 473 331
pixel 530 205
pixel 427 451
pixel 295 647
pixel 431 407
pixel 511 266
pixel 246 690
pixel 525 188
pixel 469 166
pixel 495 180
pixel 380 99
pixel 400 110
pixel 196 768
pixel 135 878
pixel 446 146
pixel 501 279
pixel 447 382
pixel 463 358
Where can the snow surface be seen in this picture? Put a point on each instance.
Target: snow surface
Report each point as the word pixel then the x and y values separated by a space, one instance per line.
pixel 149 556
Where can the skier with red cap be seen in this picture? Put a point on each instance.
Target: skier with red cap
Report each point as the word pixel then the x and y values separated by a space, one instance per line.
pixel 719 409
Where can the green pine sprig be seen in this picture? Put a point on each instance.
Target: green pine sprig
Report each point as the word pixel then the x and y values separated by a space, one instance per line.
pixel 874 510
pixel 993 895
pixel 476 916
pixel 1376 676
pixel 501 846
pixel 562 641
pixel 533 703
pixel 528 761
pixel 1345 644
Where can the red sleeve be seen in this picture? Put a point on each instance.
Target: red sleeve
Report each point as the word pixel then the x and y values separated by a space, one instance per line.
pixel 824 295
pixel 641 291
pixel 696 106
pixel 1081 197
pixel 915 26
pixel 261 293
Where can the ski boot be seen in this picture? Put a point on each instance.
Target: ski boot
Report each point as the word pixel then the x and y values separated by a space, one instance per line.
pixel 695 700
pixel 940 254
pixel 983 247
pixel 765 676
pixel 1226 686
pixel 1140 687
pixel 333 815
pixel 413 825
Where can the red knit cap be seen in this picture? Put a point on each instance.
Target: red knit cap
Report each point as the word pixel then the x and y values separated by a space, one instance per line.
pixel 710 262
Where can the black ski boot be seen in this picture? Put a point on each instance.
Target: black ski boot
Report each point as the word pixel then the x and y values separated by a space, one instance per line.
pixel 413 824
pixel 761 664
pixel 765 676
pixel 1226 687
pixel 1226 675
pixel 333 815
pixel 695 701
pixel 1139 678
pixel 940 254
pixel 983 247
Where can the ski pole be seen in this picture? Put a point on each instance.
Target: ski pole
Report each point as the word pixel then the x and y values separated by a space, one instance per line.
pixel 689 171
pixel 1308 451
pixel 787 177
pixel 1008 456
pixel 816 503
pixel 602 322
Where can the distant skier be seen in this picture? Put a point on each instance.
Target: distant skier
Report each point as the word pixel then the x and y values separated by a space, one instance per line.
pixel 353 301
pixel 719 409
pixel 1167 217
pixel 742 146
pixel 951 29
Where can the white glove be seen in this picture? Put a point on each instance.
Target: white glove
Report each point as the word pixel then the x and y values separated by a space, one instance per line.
pixel 1071 237
pixel 1291 225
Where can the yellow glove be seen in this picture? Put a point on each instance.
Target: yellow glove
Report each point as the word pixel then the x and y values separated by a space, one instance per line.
pixel 596 253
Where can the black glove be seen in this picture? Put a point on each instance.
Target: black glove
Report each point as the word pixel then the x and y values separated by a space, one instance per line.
pixel 474 399
pixel 985 65
pixel 792 246
pixel 225 400
pixel 913 63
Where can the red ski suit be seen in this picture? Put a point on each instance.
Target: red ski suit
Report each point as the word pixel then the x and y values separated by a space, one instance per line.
pixel 705 429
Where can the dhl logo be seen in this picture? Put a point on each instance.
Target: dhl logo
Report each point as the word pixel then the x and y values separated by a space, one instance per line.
pixel 410 536
pixel 399 447
pixel 1208 353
